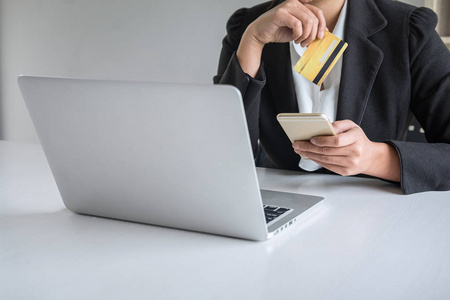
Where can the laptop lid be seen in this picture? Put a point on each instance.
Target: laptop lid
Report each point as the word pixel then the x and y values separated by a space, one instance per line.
pixel 175 155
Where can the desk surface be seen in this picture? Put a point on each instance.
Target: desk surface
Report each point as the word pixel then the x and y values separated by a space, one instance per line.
pixel 368 242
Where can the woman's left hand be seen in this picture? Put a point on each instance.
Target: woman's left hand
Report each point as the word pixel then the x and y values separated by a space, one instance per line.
pixel 350 152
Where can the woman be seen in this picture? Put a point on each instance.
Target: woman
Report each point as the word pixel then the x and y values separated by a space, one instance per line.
pixel 395 67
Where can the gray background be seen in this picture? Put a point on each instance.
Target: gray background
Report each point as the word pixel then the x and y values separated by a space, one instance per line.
pixel 166 41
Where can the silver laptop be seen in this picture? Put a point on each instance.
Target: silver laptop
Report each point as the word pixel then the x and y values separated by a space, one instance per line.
pixel 174 155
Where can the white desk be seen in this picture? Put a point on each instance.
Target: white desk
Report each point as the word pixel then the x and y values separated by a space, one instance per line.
pixel 368 242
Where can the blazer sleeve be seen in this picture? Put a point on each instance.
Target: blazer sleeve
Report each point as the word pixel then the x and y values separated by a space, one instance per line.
pixel 426 166
pixel 230 72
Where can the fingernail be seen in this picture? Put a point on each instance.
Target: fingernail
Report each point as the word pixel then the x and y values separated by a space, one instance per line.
pixel 313 141
pixel 321 34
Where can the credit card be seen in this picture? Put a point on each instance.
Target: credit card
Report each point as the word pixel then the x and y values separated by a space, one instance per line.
pixel 320 57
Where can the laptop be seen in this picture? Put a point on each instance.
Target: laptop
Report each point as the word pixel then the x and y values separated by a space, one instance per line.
pixel 166 154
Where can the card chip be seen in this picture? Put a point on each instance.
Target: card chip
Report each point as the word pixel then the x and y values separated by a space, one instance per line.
pixel 320 57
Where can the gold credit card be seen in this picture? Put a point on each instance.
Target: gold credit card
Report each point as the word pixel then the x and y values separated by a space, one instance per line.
pixel 320 57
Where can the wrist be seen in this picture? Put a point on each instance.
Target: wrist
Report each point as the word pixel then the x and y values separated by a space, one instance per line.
pixel 250 36
pixel 249 53
pixel 385 163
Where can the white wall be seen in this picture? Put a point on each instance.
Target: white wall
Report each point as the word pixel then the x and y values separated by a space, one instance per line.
pixel 168 41
pixel 415 2
pixel 150 40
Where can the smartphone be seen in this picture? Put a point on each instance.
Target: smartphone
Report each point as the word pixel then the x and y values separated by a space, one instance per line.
pixel 303 127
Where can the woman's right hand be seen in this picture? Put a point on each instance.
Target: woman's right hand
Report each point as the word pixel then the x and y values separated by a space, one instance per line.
pixel 293 20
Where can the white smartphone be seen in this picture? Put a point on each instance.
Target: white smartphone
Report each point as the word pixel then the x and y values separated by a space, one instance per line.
pixel 303 127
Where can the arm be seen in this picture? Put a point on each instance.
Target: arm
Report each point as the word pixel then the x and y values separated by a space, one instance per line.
pixel 417 166
pixel 426 167
pixel 240 60
pixel 230 72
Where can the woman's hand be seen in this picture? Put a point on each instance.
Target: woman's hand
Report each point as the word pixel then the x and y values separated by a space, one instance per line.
pixel 350 152
pixel 293 20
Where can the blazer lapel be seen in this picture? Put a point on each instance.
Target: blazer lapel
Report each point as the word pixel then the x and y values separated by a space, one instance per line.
pixel 277 64
pixel 362 59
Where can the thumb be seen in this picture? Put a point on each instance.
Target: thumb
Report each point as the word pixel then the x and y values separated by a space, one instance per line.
pixel 343 126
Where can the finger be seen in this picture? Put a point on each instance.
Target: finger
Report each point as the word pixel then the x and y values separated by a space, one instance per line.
pixel 313 34
pixel 307 25
pixel 308 148
pixel 301 145
pixel 284 18
pixel 287 18
pixel 318 24
pixel 338 169
pixel 306 17
pixel 341 164
pixel 294 24
pixel 343 126
pixel 322 24
pixel 338 141
pixel 326 158
pixel 346 131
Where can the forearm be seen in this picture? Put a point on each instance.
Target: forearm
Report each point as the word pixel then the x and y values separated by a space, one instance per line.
pixel 250 89
pixel 249 53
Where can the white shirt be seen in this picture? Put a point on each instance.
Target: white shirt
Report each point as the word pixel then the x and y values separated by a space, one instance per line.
pixel 309 96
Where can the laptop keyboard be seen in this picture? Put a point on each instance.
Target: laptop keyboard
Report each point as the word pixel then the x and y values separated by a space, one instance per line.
pixel 273 213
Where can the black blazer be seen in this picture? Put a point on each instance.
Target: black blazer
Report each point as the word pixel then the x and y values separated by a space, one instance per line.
pixel 395 67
